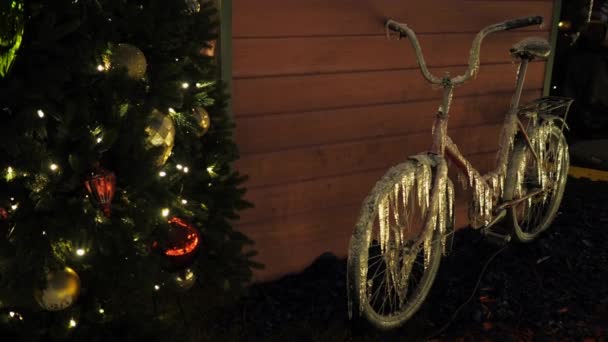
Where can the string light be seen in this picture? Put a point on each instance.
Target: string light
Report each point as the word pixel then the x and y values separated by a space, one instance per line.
pixel 12 314
pixel 40 113
pixel 162 173
pixel 15 206
pixel 101 68
pixel 186 169
pixel 185 85
pixel 184 201
pixel 99 140
pixel 80 252
pixel 44 232
pixel 10 174
pixel 211 171
pixel 53 167
pixel 165 212
pixel 73 323
pixel 179 166
pixel 156 287
pixel 102 311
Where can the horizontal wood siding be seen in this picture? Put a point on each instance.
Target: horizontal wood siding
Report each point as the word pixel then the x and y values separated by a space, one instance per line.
pixel 324 104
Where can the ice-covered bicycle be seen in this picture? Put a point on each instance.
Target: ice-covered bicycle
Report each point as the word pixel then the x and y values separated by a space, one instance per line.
pixel 405 221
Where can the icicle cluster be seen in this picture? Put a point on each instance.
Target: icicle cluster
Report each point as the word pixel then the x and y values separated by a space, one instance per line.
pixel 545 172
pixel 404 188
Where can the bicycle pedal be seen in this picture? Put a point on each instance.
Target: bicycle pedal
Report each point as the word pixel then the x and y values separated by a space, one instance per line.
pixel 497 238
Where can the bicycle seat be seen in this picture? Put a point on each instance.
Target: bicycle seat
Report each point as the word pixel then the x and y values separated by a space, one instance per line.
pixel 530 48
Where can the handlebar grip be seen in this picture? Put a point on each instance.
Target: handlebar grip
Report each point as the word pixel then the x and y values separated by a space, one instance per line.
pixel 393 26
pixel 523 22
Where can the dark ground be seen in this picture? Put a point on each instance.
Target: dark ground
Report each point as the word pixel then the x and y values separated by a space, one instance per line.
pixel 555 288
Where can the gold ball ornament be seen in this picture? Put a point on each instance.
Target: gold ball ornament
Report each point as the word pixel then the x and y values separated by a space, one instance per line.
pixel 184 280
pixel 202 118
pixel 192 6
pixel 61 291
pixel 126 56
pixel 161 133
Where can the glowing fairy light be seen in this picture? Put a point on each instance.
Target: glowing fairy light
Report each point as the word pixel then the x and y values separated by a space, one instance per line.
pixel 10 174
pixel 211 171
pixel 156 287
pixel 72 323
pixel 162 173
pixel 80 252
pixel 102 311
pixel 164 212
pixel 101 68
pixel 12 314
pixel 40 113
pixel 53 167
pixel 186 169
pixel 179 166
pixel 184 201
pixel 185 85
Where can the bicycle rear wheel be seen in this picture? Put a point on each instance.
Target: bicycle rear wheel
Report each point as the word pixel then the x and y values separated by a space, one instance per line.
pixel 396 247
pixel 545 177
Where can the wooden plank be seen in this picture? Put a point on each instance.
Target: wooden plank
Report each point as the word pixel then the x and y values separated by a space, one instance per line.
pixel 289 18
pixel 305 93
pixel 291 243
pixel 341 125
pixel 312 55
pixel 324 181
pixel 344 158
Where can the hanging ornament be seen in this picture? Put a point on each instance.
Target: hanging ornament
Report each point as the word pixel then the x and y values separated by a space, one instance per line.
pixel 161 134
pixel 202 118
pixel 12 24
pixel 60 291
pixel 184 279
pixel 180 243
pixel 126 56
pixel 5 224
pixel 101 186
pixel 192 6
pixel 209 49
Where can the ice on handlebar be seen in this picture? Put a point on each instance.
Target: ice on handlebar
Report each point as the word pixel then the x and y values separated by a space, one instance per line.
pixel 475 48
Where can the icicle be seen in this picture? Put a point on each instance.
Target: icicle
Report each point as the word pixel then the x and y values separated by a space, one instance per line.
pixel 428 241
pixel 397 231
pixel 383 221
pixel 450 213
pixel 463 180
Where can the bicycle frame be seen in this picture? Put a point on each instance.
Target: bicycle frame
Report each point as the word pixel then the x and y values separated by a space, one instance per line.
pixel 486 187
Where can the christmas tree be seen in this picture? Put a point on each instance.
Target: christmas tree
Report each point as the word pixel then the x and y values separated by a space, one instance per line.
pixel 117 194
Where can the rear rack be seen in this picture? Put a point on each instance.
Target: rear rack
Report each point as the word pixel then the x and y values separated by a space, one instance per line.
pixel 547 106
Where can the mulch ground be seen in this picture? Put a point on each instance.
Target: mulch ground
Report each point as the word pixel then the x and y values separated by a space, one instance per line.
pixel 555 288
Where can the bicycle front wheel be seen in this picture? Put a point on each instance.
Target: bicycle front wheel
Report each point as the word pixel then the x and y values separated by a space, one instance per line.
pixel 396 247
pixel 541 177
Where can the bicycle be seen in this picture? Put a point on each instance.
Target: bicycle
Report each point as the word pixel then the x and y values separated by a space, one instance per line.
pixel 406 220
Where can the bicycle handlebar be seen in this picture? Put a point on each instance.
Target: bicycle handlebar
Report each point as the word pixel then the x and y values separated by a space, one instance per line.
pixel 403 30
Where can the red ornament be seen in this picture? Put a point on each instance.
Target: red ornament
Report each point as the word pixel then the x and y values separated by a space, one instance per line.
pixel 101 185
pixel 185 238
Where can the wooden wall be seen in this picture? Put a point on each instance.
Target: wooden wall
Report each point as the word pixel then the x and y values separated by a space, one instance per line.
pixel 324 104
